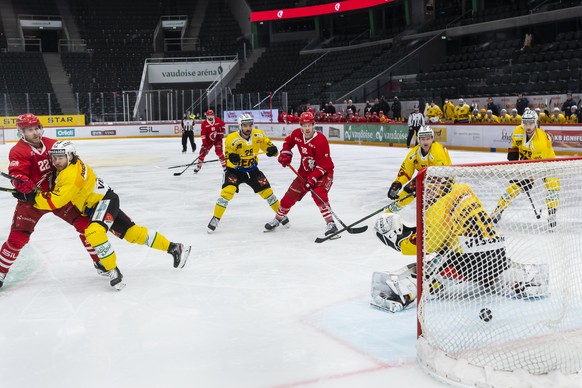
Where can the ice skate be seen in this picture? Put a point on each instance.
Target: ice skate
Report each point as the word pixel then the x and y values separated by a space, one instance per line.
pixel 101 271
pixel 330 228
pixel 275 222
pixel 180 253
pixel 197 168
pixel 213 224
pixel 116 279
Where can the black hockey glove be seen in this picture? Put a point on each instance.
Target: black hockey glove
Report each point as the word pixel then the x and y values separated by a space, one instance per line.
pixel 234 158
pixel 394 190
pixel 410 187
pixel 24 197
pixel 272 151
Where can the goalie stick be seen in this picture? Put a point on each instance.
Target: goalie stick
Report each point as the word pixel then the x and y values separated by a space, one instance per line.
pixel 322 239
pixel 350 230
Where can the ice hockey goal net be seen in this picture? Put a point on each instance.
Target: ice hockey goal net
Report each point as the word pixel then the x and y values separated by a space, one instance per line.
pixel 500 300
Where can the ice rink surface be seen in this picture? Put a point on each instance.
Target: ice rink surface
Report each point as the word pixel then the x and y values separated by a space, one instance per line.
pixel 250 309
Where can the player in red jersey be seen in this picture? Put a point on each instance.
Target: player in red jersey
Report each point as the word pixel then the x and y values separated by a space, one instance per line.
pixel 315 172
pixel 30 163
pixel 212 133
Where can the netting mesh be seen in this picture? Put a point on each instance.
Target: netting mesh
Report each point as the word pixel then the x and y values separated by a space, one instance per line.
pixel 502 265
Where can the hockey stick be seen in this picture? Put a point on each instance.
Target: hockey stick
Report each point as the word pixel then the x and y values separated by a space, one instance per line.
pixel 187 167
pixel 360 229
pixel 12 178
pixel 322 239
pixel 6 189
pixel 538 215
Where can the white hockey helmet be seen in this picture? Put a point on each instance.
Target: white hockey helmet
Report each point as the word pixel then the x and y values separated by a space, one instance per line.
pixel 64 147
pixel 245 118
pixel 425 131
pixel 529 116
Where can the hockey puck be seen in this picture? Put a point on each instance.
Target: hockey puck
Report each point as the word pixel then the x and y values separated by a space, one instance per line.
pixel 485 315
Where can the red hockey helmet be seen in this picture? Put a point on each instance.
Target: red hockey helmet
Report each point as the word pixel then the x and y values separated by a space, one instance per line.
pixel 306 118
pixel 27 120
pixel 209 112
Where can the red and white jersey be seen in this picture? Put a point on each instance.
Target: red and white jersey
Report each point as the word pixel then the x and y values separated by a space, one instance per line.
pixel 314 152
pixel 29 163
pixel 212 133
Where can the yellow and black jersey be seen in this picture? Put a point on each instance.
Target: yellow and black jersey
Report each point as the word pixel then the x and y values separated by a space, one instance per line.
pixel 538 146
pixel 248 150
pixel 490 120
pixel 558 119
pixel 449 111
pixel 504 118
pixel 573 119
pixel 475 118
pixel 438 155
pixel 78 184
pixel 462 113
pixel 515 119
pixel 544 118
pixel 456 220
pixel 433 111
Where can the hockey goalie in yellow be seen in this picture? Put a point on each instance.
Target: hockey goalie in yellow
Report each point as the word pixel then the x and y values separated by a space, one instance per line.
pixel 461 245
pixel 77 183
pixel 427 153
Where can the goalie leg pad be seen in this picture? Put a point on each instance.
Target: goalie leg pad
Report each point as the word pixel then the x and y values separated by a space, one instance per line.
pixel 394 291
pixel 524 281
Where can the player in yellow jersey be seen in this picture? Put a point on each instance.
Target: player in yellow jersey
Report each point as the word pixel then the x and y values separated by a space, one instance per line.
pixel 514 118
pixel 529 142
pixel 242 150
pixel 434 114
pixel 427 153
pixel 77 183
pixel 462 112
pixel 463 245
pixel 504 117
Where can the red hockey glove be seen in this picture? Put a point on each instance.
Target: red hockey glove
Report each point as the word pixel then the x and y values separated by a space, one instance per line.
pixel 285 158
pixel 25 187
pixel 310 182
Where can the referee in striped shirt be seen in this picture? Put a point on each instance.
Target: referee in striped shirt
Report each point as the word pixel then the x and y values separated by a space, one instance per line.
pixel 415 121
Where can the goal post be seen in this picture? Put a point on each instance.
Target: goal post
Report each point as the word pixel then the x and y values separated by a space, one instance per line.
pixel 499 260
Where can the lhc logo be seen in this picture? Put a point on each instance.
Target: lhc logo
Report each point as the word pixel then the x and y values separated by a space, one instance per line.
pixel 337 6
pixel 280 14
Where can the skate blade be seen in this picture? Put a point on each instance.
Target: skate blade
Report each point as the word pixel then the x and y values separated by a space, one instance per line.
pixel 185 255
pixel 119 286
pixel 382 308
